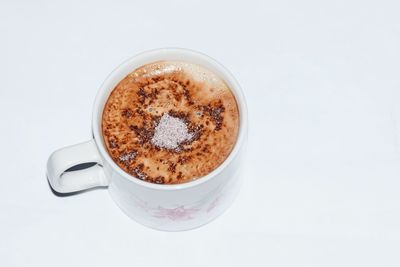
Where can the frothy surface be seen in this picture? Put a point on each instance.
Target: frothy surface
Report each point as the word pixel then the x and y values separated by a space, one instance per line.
pixel 170 122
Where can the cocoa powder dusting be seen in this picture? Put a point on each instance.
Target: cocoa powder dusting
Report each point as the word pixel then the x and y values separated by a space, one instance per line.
pixel 127 113
pixel 144 134
pixel 170 122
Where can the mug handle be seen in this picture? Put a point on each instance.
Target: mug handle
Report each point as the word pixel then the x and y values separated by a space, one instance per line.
pixel 67 157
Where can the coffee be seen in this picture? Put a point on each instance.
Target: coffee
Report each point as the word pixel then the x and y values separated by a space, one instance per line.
pixel 170 122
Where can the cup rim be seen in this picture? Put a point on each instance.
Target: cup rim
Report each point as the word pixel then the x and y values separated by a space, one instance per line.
pixel 105 89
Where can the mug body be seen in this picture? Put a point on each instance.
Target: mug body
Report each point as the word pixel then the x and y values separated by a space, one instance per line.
pixel 176 209
pixel 182 206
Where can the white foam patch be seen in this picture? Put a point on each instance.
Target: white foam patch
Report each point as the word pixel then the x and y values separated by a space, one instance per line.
pixel 170 132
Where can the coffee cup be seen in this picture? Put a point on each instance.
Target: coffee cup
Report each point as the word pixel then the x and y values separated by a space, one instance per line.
pixel 168 207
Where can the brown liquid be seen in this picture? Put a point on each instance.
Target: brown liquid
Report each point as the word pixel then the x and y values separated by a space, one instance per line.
pixel 170 122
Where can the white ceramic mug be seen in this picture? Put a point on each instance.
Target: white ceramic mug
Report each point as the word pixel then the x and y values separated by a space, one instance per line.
pixel 164 207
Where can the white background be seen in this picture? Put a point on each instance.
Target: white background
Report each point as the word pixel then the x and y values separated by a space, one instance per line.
pixel 322 179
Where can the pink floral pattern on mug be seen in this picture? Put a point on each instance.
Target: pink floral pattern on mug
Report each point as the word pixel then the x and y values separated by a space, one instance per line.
pixel 213 204
pixel 176 214
pixel 180 212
